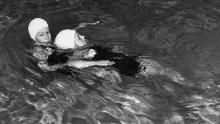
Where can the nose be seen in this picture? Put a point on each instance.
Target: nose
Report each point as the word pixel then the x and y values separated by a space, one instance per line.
pixel 47 37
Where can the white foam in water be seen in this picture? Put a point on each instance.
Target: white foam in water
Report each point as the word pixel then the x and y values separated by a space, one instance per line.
pixel 132 98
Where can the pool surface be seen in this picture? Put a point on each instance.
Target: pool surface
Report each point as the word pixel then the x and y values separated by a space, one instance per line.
pixel 180 34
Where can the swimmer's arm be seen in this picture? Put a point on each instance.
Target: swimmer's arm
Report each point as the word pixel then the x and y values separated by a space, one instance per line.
pixel 45 67
pixel 83 54
pixel 83 64
pixel 73 63
pixel 83 25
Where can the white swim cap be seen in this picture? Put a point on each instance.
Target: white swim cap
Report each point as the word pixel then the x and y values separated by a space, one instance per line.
pixel 35 25
pixel 69 39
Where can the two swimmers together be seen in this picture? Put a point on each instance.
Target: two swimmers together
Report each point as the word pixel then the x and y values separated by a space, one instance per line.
pixel 73 50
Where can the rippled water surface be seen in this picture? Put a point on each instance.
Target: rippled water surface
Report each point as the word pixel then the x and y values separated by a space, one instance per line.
pixel 180 34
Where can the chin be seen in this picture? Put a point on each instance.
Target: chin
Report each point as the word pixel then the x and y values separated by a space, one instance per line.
pixel 47 42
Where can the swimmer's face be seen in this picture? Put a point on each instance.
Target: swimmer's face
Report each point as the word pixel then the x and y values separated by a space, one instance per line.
pixel 80 41
pixel 43 35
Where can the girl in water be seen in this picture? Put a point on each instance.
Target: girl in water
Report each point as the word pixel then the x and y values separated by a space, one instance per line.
pixel 44 50
pixel 131 66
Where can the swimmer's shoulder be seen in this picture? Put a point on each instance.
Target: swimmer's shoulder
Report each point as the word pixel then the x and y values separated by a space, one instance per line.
pixel 39 52
pixel 37 49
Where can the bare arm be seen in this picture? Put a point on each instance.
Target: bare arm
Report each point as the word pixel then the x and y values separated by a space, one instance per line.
pixel 83 54
pixel 83 25
pixel 83 64
pixel 73 63
pixel 45 67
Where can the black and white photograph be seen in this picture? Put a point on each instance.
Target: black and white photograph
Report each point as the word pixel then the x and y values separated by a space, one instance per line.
pixel 109 61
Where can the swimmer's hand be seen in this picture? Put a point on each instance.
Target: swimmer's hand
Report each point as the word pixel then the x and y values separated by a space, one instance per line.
pixel 91 53
pixel 83 64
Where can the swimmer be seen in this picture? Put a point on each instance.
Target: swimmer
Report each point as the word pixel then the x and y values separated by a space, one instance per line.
pixel 46 53
pixel 131 66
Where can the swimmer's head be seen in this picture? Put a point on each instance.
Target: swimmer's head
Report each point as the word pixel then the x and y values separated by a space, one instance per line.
pixel 69 39
pixel 39 30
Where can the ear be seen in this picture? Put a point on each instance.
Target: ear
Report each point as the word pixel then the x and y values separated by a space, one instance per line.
pixel 80 40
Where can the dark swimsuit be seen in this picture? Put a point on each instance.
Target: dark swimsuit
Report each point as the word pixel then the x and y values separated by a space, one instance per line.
pixel 124 64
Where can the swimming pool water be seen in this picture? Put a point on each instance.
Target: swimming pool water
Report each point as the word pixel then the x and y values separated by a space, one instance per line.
pixel 180 34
